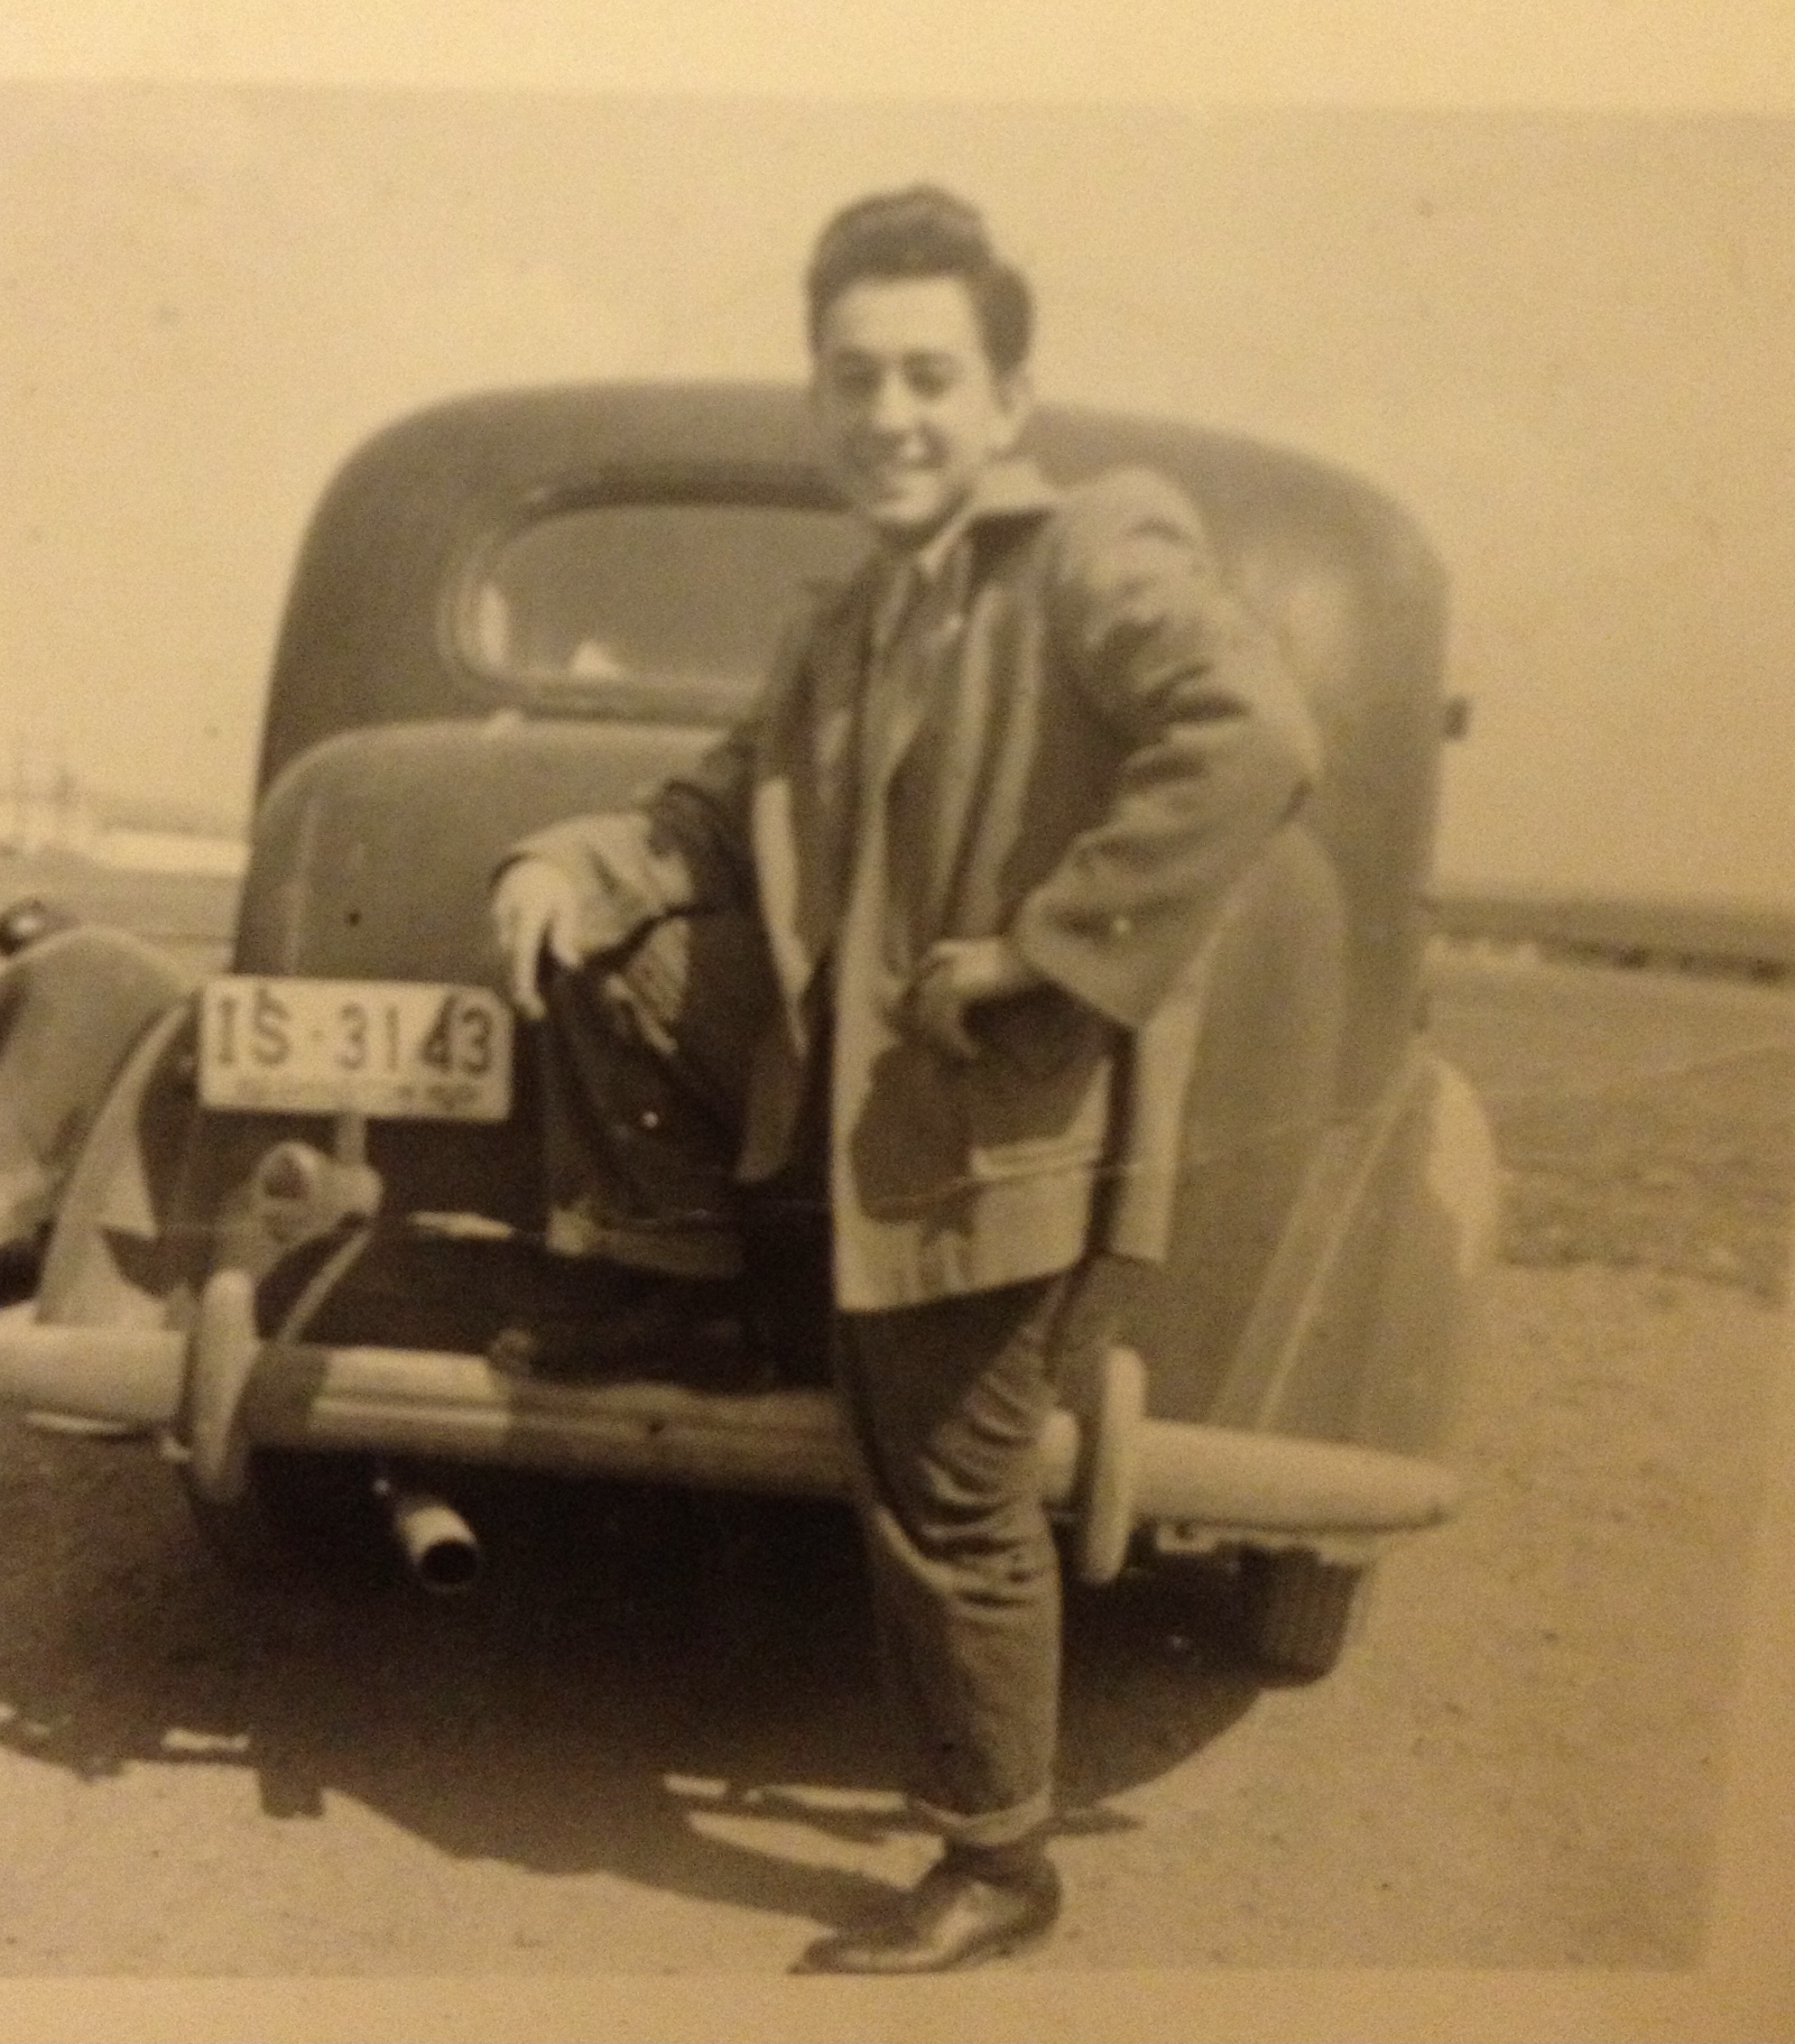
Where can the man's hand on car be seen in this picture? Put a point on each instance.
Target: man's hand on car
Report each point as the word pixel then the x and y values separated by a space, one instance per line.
pixel 534 908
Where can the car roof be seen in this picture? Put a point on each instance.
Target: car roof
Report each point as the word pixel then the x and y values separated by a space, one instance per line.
pixel 364 641
pixel 504 442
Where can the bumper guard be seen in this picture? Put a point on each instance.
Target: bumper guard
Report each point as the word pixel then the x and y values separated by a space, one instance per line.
pixel 1113 1468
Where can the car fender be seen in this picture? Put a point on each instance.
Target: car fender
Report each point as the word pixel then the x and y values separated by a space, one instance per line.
pixel 1371 1302
pixel 72 1005
pixel 107 1263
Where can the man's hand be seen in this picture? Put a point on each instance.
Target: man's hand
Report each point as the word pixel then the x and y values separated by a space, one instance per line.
pixel 534 906
pixel 957 974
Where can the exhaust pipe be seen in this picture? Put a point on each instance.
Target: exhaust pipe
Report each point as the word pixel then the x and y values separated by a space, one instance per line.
pixel 439 1545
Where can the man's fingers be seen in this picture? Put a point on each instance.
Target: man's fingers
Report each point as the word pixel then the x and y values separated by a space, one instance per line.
pixel 940 1015
pixel 523 949
pixel 519 933
pixel 959 1040
pixel 534 907
pixel 563 935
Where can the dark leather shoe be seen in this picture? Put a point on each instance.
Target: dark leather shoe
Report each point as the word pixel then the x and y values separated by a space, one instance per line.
pixel 950 1918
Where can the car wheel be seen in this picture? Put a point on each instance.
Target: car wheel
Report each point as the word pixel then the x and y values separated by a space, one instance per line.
pixel 301 1514
pixel 1298 1612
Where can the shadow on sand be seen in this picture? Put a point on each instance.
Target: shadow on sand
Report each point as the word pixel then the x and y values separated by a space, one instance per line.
pixel 629 1660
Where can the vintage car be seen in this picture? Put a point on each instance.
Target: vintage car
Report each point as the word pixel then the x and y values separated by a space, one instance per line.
pixel 299 1241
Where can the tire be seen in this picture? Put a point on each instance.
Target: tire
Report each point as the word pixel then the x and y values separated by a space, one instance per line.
pixel 301 1515
pixel 1299 1613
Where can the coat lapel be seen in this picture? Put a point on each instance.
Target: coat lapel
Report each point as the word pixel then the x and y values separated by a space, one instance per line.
pixel 811 791
pixel 806 791
pixel 940 612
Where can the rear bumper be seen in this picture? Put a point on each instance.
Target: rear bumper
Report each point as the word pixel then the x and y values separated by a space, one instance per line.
pixel 220 1392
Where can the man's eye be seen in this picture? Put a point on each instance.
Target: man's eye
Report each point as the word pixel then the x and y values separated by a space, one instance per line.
pixel 854 382
pixel 930 379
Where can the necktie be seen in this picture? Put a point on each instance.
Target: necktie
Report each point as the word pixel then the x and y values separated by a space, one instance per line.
pixel 882 689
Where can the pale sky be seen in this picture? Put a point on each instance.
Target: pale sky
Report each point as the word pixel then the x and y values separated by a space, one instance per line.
pixel 1562 338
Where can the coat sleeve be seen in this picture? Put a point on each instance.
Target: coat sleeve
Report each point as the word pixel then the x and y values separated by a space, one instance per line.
pixel 1216 746
pixel 686 846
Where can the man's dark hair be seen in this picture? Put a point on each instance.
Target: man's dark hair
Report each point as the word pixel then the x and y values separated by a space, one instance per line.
pixel 923 232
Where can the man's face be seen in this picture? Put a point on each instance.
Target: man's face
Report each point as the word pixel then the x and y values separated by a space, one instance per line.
pixel 907 403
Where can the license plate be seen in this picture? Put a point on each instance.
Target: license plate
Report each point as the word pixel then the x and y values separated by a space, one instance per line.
pixel 394 1050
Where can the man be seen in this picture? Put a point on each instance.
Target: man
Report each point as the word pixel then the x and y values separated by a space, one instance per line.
pixel 987 809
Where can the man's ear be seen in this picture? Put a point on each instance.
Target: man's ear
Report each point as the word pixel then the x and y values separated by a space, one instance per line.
pixel 1015 403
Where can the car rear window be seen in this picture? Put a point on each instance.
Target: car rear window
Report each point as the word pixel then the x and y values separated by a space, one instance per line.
pixel 669 610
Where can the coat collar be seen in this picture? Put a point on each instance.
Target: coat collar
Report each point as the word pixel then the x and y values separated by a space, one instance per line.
pixel 1009 487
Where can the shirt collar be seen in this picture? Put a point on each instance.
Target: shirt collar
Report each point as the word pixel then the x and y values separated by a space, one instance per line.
pixel 1009 487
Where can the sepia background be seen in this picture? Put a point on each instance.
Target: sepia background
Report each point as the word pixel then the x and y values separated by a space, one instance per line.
pixel 1560 338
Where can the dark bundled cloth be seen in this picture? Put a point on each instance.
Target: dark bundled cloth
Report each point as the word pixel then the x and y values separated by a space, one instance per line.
pixel 645 1055
pixel 644 1058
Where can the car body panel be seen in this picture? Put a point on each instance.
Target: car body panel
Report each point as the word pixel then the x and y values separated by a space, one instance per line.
pixel 72 1003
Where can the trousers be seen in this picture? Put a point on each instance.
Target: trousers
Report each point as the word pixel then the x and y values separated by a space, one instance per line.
pixel 642 1062
pixel 945 1404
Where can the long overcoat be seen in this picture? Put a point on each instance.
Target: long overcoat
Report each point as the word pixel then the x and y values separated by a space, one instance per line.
pixel 1092 740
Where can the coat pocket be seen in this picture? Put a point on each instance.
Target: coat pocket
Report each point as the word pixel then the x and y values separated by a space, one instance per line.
pixel 1038 1101
pixel 1041 1033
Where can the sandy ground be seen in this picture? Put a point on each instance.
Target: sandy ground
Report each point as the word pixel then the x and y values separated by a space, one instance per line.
pixel 652 1744
pixel 668 1762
